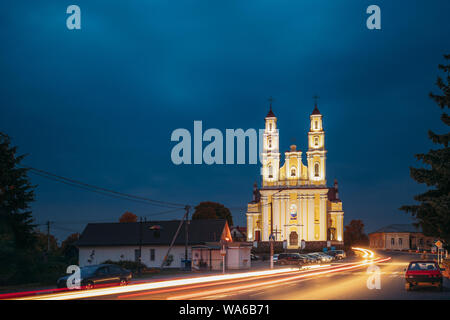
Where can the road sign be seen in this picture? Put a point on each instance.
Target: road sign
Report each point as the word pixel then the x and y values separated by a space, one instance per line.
pixel 328 244
pixel 438 244
pixel 223 252
pixel 272 237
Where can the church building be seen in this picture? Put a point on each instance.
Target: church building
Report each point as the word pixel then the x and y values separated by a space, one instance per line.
pixel 294 202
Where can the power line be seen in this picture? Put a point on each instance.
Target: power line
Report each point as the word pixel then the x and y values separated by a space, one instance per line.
pixel 104 191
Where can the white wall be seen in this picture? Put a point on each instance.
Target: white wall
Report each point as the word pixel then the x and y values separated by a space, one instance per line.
pixel 118 253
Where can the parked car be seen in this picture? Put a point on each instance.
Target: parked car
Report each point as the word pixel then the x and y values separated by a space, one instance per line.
pixel 275 258
pixel 423 273
pixel 308 259
pixel 322 257
pixel 253 257
pixel 100 275
pixel 338 254
pixel 290 258
pixel 314 258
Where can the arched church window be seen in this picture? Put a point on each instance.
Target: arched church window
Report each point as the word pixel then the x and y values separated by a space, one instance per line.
pixel 270 171
pixel 270 126
pixel 315 124
pixel 270 143
pixel 316 170
pixel 316 141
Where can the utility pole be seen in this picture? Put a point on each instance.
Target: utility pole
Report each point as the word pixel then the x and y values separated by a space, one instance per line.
pixel 271 233
pixel 173 241
pixel 186 237
pixel 140 245
pixel 271 236
pixel 48 237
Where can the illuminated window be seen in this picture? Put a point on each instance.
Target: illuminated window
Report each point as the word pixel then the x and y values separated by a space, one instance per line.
pixel 270 143
pixel 316 170
pixel 270 126
pixel 315 124
pixel 270 171
pixel 316 141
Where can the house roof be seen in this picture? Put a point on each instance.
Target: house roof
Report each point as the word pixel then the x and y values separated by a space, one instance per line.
pixel 398 228
pixel 128 233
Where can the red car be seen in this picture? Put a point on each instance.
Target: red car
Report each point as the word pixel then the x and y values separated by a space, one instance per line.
pixel 423 272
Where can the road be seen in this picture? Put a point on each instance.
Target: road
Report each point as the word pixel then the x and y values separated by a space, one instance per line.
pixel 344 280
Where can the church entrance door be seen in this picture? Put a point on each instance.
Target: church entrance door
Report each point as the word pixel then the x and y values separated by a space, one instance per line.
pixel 257 235
pixel 293 239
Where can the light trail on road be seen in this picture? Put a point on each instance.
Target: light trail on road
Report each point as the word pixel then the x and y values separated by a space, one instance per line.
pixel 236 279
pixel 283 280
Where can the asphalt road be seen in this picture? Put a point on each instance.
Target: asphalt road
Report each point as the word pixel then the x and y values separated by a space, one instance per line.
pixel 340 285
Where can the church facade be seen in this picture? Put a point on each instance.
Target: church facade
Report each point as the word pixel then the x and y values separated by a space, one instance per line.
pixel 294 202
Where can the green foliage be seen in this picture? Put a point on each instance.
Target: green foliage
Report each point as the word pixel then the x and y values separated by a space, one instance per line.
pixel 17 237
pixel 23 249
pixel 212 210
pixel 433 211
pixel 354 234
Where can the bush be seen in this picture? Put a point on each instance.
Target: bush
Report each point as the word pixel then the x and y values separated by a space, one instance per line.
pixel 127 264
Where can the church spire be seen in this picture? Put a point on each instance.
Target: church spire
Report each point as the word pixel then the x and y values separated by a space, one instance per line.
pixel 316 110
pixel 270 114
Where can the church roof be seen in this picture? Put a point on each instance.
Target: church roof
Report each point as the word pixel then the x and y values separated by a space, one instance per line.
pixel 316 110
pixel 270 114
pixel 332 194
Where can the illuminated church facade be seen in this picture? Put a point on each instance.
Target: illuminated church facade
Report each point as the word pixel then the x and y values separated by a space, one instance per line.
pixel 294 202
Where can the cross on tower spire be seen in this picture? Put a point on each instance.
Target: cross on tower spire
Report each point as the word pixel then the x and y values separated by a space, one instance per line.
pixel 315 97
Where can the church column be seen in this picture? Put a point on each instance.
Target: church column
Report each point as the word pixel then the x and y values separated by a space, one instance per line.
pixel 300 218
pixel 304 217
pixel 323 217
pixel 311 217
pixel 265 220
pixel 276 212
pixel 283 217
pixel 250 233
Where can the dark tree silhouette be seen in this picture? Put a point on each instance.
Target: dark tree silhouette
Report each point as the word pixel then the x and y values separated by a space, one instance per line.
pixel 432 212
pixel 354 234
pixel 128 217
pixel 17 236
pixel 212 210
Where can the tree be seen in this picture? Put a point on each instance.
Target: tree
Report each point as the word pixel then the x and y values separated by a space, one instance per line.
pixel 69 250
pixel 212 210
pixel 354 234
pixel 17 236
pixel 128 217
pixel 432 213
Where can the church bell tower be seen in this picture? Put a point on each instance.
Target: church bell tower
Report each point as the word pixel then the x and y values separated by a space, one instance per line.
pixel 316 153
pixel 270 154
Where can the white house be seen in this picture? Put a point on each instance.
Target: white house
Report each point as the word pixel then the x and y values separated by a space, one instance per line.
pixel 121 241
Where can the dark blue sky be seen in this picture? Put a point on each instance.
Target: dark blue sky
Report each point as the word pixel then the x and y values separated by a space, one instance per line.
pixel 99 104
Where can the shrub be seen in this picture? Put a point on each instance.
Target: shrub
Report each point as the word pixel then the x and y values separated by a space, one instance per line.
pixel 127 264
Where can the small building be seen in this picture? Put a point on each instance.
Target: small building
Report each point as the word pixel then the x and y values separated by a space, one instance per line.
pixel 148 241
pixel 208 256
pixel 400 237
pixel 239 233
